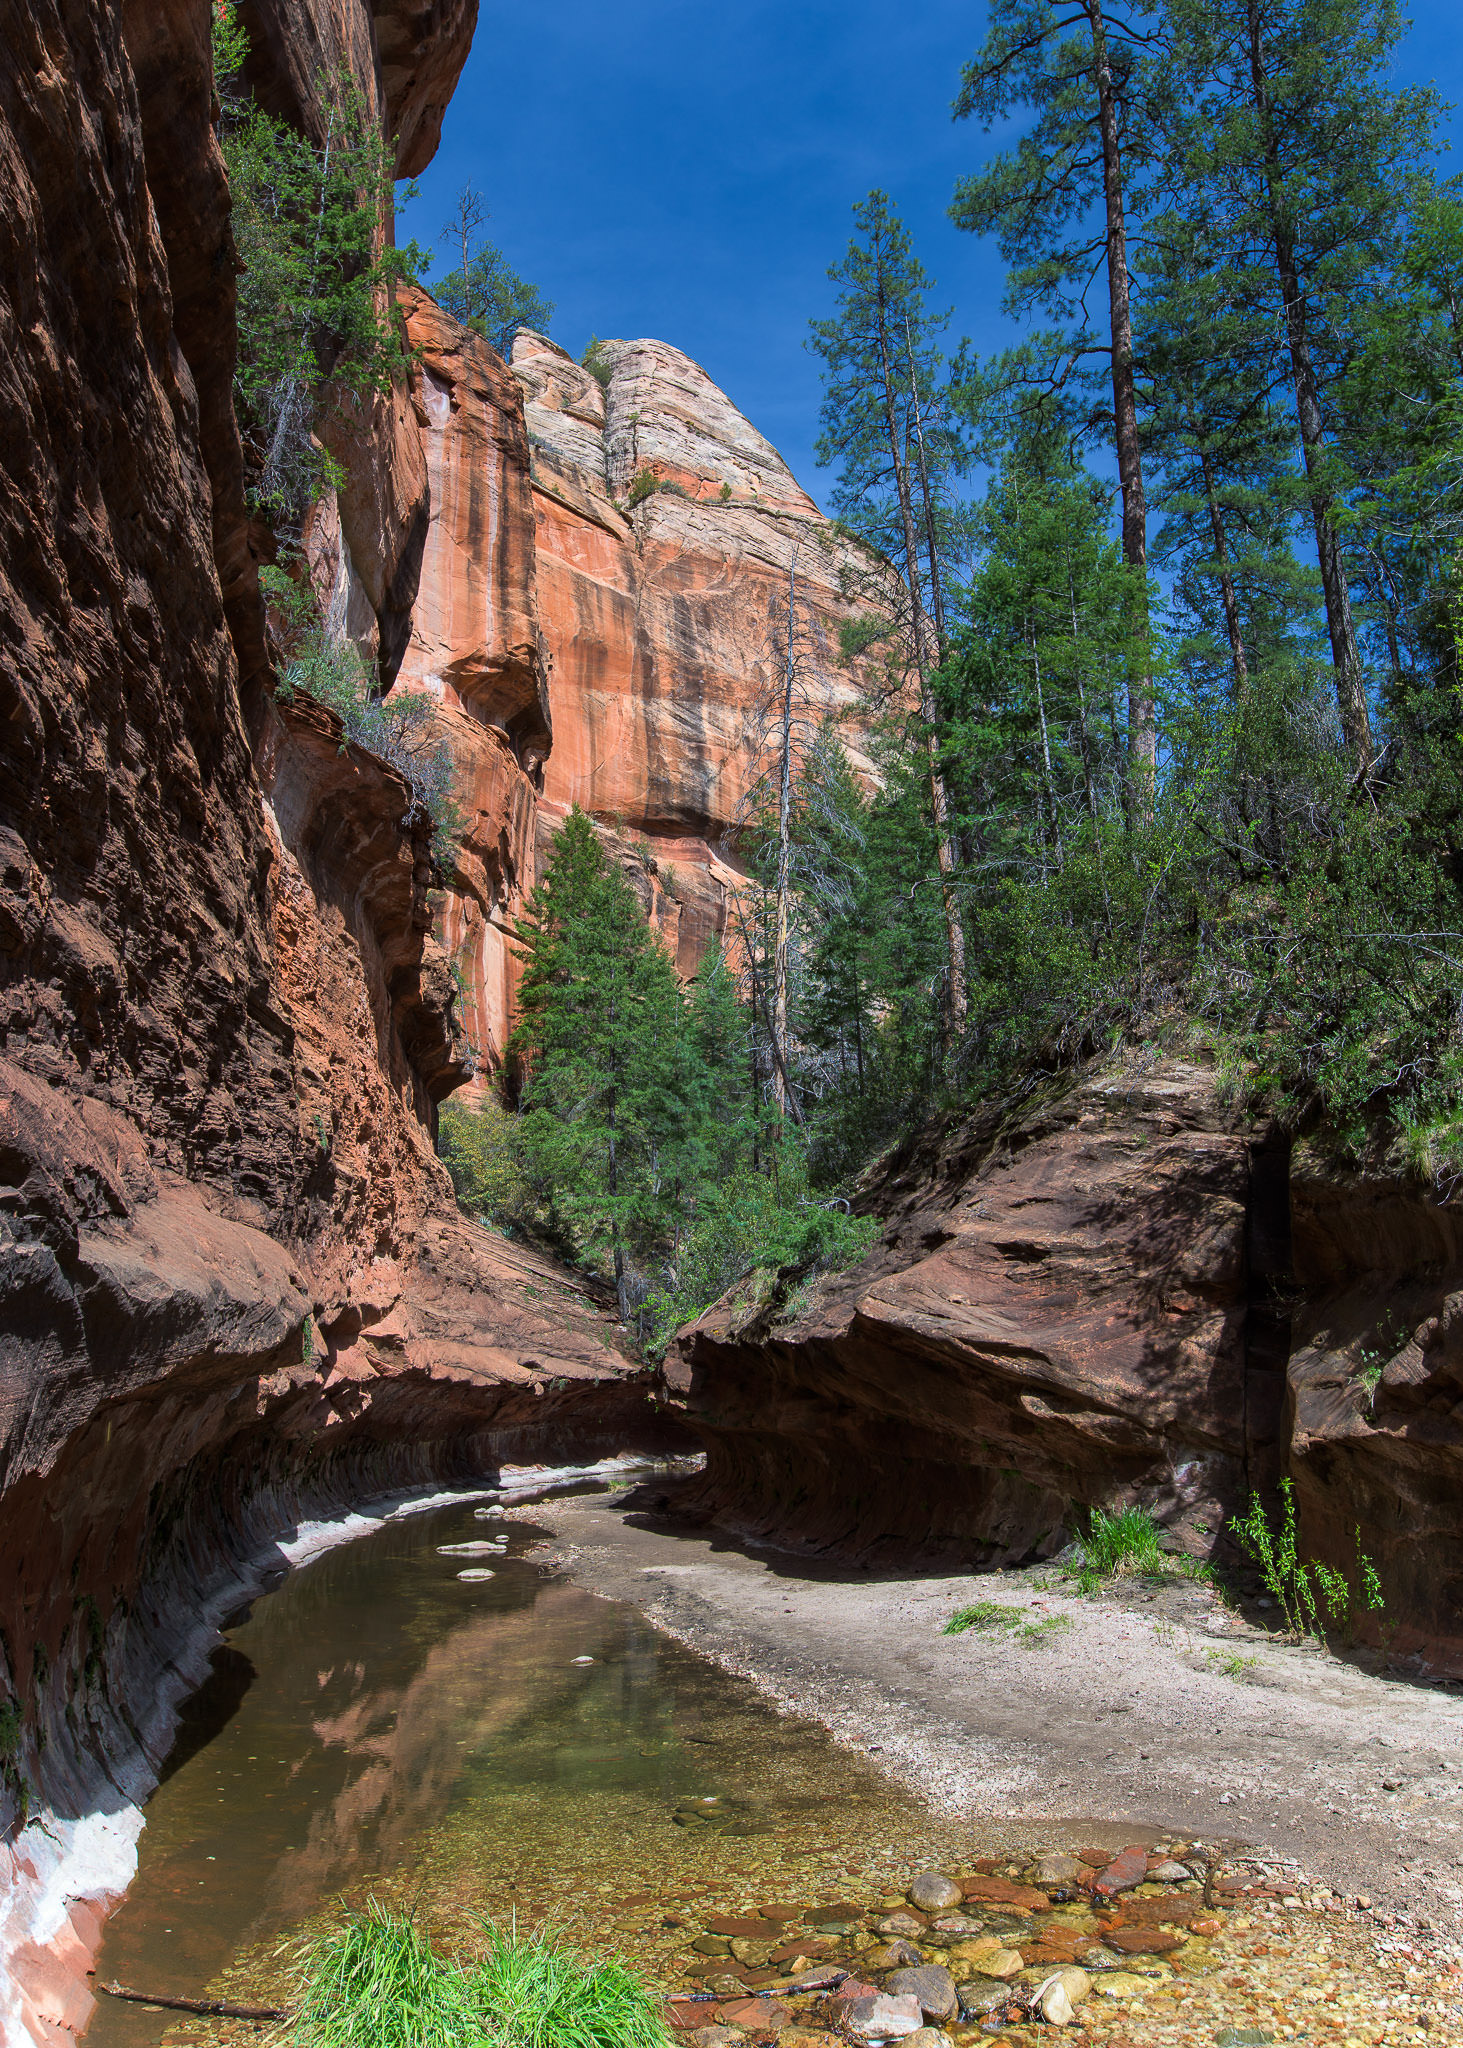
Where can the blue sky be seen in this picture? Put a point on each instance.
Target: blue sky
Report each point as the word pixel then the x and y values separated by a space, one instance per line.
pixel 682 170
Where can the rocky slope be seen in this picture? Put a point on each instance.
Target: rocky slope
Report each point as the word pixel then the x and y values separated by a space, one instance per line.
pixel 1110 1295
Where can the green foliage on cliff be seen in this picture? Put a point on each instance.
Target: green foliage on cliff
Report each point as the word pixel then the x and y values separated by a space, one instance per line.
pixel 315 319
pixel 481 1146
pixel 640 1145
pixel 484 292
pixel 399 728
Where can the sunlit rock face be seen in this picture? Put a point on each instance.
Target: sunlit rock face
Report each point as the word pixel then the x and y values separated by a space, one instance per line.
pixel 665 618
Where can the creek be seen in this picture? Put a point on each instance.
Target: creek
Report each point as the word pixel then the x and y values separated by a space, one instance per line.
pixel 427 1716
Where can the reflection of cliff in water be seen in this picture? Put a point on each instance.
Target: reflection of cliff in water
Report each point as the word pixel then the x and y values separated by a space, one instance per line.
pixel 504 1745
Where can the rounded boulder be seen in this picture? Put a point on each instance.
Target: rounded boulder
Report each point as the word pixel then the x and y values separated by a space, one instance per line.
pixel 933 1892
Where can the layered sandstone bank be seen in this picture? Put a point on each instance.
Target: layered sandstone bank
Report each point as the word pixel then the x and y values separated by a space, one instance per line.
pixel 1111 1295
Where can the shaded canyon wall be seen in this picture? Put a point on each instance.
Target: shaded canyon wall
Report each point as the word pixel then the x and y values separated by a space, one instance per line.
pixel 1116 1292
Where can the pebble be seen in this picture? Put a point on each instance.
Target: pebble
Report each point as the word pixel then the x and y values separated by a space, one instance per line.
pixel 930 2037
pixel 1127 1869
pixel 1141 1941
pixel 932 1985
pixel 758 2015
pixel 1057 1870
pixel 884 2017
pixel 715 2037
pixel 894 1955
pixel 933 1892
pixel 1170 1873
pixel 897 1926
pixel 1122 1984
pixel 1059 1995
pixel 756 1953
pixel 991 1960
pixel 981 1996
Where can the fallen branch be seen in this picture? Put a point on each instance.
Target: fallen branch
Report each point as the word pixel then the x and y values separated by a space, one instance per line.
pixel 211 2008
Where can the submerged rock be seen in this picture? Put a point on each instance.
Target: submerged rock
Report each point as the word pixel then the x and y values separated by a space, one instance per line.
pixel 933 1892
pixel 931 1984
pixel 886 2016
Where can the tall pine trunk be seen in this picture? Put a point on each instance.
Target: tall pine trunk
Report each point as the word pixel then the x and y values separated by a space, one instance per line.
pixel 1142 728
pixel 784 863
pixel 956 992
pixel 1346 660
pixel 1227 593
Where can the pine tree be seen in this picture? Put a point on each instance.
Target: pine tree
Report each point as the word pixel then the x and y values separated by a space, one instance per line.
pixel 1299 153
pixel 484 292
pixel 879 355
pixel 609 1116
pixel 1222 455
pixel 1059 204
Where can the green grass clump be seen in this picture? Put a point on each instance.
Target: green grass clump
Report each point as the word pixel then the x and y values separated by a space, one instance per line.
pixel 1124 1542
pixel 534 1994
pixel 991 1614
pixel 984 1614
pixel 377 1982
pixel 1033 1633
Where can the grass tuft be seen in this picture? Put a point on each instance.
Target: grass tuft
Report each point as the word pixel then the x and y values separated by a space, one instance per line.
pixel 984 1614
pixel 1124 1542
pixel 376 1982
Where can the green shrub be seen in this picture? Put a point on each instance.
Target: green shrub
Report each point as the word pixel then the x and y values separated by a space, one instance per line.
pixel 400 729
pixel 644 484
pixel 753 1223
pixel 1311 1596
pixel 481 1147
pixel 315 316
pixel 597 362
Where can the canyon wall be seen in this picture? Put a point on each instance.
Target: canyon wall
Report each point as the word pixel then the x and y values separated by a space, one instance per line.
pixel 1115 1292
pixel 585 649
pixel 234 1287
pixel 238 973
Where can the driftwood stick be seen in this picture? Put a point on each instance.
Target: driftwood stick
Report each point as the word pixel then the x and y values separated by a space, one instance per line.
pixel 211 2008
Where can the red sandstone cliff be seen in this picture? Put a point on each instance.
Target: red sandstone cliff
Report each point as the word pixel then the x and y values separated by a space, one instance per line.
pixel 233 1284
pixel 584 650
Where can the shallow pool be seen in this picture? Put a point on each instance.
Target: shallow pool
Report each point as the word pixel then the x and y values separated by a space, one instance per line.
pixel 421 1722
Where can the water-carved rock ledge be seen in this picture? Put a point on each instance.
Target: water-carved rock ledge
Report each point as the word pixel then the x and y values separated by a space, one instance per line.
pixel 1114 1294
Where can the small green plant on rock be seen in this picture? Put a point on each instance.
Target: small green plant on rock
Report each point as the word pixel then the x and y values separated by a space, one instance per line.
pixel 644 484
pixel 596 361
pixel 1310 1595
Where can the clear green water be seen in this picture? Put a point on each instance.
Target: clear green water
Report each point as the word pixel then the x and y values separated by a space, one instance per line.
pixel 396 1731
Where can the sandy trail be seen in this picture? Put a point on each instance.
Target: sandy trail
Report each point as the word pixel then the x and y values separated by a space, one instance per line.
pixel 1133 1708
